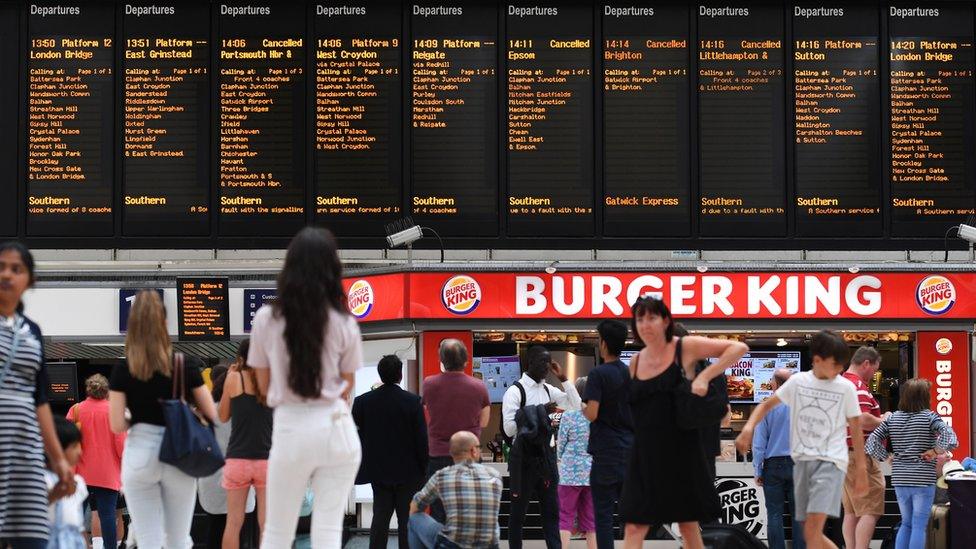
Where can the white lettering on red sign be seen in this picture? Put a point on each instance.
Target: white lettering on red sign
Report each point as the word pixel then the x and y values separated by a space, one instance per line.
pixel 943 390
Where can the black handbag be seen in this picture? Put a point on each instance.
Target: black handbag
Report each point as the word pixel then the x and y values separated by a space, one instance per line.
pixel 694 412
pixel 189 443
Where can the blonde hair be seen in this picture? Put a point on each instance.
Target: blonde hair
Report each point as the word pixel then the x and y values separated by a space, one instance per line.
pixel 97 386
pixel 147 345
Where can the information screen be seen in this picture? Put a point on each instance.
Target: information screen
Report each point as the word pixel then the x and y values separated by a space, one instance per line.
pixel 931 121
pixel 741 140
pixel 836 121
pixel 498 373
pixel 62 382
pixel 550 119
pixel 165 111
pixel 9 53
pixel 358 117
pixel 203 309
pixel 646 181
pixel 454 117
pixel 70 119
pixel 261 127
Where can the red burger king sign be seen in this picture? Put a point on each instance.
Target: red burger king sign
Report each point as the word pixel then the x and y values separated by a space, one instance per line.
pixel 461 295
pixel 935 295
pixel 360 298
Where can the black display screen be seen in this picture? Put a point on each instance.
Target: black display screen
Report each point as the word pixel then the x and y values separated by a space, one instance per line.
pixel 549 50
pixel 836 121
pixel 262 115
pixel 453 100
pixel 646 180
pixel 70 119
pixel 203 309
pixel 165 91
pixel 9 54
pixel 741 133
pixel 358 117
pixel 931 118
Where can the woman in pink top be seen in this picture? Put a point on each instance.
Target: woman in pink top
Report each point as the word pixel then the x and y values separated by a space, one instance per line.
pixel 305 349
pixel 101 457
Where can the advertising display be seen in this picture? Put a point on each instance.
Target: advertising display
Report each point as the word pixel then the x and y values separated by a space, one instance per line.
pixel 944 360
pixel 498 372
pixel 750 380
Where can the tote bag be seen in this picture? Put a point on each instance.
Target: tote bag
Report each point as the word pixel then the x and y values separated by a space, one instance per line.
pixel 189 443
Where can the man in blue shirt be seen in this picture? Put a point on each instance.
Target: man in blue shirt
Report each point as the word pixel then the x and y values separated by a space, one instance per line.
pixel 611 427
pixel 774 469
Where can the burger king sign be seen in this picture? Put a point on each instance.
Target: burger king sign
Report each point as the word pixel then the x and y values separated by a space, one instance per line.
pixel 360 298
pixel 461 294
pixel 935 295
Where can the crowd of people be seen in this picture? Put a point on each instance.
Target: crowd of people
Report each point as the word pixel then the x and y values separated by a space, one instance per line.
pixel 293 437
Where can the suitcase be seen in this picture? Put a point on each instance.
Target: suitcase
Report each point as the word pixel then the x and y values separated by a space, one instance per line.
pixel 725 536
pixel 962 520
pixel 937 533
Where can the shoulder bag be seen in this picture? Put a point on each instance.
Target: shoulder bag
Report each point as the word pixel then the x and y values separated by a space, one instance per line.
pixel 692 411
pixel 189 443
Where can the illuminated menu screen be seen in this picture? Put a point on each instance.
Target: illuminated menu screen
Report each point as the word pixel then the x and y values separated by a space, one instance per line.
pixel 931 121
pixel 358 117
pixel 646 121
pixel 453 100
pixel 836 122
pixel 70 119
pixel 9 53
pixel 261 124
pixel 203 309
pixel 165 112
pixel 550 120
pixel 741 126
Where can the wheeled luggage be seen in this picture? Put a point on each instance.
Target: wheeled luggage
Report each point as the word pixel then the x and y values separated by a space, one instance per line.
pixel 937 533
pixel 725 536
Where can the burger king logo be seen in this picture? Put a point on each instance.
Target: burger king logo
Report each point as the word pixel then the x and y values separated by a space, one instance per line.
pixel 943 346
pixel 461 294
pixel 361 298
pixel 935 295
pixel 743 504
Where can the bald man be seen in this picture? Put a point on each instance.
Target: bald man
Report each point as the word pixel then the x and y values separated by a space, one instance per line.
pixel 774 468
pixel 471 494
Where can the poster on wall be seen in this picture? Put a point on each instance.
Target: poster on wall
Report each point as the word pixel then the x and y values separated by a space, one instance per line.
pixel 750 379
pixel 498 372
pixel 743 504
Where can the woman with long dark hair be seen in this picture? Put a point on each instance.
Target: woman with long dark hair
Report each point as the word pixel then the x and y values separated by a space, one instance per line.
pixel 27 430
pixel 305 349
pixel 666 459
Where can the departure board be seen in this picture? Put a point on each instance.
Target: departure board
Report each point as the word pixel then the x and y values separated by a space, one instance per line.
pixel 261 124
pixel 70 119
pixel 203 307
pixel 741 121
pixel 931 119
pixel 9 53
pixel 453 99
pixel 550 119
pixel 646 180
pixel 358 116
pixel 165 119
pixel 836 121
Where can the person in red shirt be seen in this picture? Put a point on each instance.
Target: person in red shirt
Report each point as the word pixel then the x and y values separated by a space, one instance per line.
pixel 101 458
pixel 862 511
pixel 454 402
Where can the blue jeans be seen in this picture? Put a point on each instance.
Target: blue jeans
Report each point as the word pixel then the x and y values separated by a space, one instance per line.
pixel 606 482
pixel 915 504
pixel 777 485
pixel 425 533
pixel 104 501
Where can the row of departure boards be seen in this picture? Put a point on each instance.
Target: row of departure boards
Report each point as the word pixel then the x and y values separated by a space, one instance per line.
pixel 481 119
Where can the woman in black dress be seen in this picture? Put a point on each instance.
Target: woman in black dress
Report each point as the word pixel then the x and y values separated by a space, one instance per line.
pixel 668 478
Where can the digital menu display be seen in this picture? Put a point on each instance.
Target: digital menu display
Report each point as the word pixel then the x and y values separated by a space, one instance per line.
pixel 549 54
pixel 165 88
pixel 836 121
pixel 70 123
pixel 931 119
pixel 358 117
pixel 261 124
pixel 203 309
pixel 741 130
pixel 498 373
pixel 453 98
pixel 646 180
pixel 750 380
pixel 9 53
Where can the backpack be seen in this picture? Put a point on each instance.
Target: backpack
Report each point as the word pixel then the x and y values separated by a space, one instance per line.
pixel 518 384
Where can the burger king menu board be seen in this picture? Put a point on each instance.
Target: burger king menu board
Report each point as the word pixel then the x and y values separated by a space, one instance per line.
pixel 750 380
pixel 8 118
pixel 498 372
pixel 203 309
pixel 741 115
pixel 932 118
pixel 646 169
pixel 550 119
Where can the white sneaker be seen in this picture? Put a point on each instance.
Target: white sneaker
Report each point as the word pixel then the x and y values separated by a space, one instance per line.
pixel 97 543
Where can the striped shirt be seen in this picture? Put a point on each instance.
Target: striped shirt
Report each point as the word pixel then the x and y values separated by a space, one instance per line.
pixel 865 400
pixel 471 494
pixel 911 435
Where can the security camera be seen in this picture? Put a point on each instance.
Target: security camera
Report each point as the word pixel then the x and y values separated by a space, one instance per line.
pixel 967 233
pixel 407 236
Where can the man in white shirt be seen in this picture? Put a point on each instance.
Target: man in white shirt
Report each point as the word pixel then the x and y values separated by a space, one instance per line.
pixel 538 364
